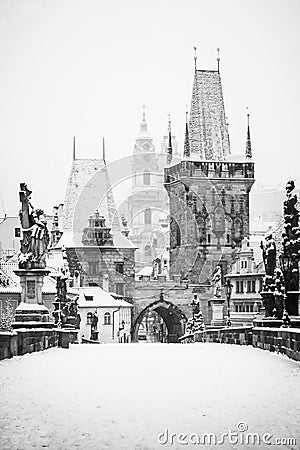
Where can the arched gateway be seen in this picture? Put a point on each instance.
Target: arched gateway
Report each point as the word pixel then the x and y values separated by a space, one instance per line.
pixel 173 317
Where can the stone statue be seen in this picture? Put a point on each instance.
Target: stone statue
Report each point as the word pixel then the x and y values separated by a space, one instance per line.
pixel 217 280
pixel 35 238
pixel 269 254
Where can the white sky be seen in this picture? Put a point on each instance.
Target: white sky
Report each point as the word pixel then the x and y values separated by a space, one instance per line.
pixel 85 67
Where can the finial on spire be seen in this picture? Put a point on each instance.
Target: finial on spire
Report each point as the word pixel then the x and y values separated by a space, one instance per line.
pixel 74 154
pixel 248 140
pixel 169 150
pixel 195 57
pixel 218 59
pixel 144 113
pixel 103 150
pixel 186 149
pixel 186 114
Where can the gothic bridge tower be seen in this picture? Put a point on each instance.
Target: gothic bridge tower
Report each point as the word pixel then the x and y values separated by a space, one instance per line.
pixel 209 189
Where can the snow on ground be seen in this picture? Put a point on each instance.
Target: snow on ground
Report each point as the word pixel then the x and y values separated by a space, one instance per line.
pixel 123 396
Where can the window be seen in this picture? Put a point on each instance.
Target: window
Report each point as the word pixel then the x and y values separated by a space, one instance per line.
pixel 120 267
pixel 260 285
pixel 119 288
pixel 107 318
pixel 93 268
pixel 146 178
pixel 248 286
pixel 17 232
pixel 208 238
pixel 89 298
pixel 239 287
pixel 147 216
pixel 253 286
pixel 244 264
pixel 228 238
pixel 89 318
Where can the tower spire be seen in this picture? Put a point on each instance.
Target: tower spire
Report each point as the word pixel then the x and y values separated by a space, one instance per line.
pixel 186 150
pixel 248 140
pixel 195 57
pixel 103 150
pixel 74 154
pixel 169 150
pixel 218 59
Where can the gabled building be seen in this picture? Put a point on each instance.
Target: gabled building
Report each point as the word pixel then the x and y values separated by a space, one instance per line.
pixel 94 240
pixel 246 279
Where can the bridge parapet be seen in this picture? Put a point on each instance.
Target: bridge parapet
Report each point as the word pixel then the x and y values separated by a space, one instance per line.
pixel 280 340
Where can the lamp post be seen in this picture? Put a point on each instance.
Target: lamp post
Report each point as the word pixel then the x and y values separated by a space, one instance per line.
pixel 228 291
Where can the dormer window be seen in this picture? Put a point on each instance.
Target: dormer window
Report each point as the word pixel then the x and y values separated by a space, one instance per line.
pixel 89 298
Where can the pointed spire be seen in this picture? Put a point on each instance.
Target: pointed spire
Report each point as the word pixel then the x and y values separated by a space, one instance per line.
pixel 248 140
pixel 74 154
pixel 103 150
pixel 218 59
pixel 169 150
pixel 195 57
pixel 186 150
pixel 144 124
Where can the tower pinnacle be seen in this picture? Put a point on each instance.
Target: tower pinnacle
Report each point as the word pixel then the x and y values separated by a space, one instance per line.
pixel 103 150
pixel 169 150
pixel 248 140
pixel 195 57
pixel 74 154
pixel 218 59
pixel 186 150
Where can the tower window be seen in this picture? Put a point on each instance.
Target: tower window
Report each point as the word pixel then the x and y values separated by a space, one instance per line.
pixel 146 178
pixel 147 215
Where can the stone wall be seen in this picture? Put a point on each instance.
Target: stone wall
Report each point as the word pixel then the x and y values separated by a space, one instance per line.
pixel 280 340
pixel 25 340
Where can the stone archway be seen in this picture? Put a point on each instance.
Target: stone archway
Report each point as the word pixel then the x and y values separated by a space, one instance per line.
pixel 173 317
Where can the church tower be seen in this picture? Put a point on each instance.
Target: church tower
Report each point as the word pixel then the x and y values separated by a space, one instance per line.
pixel 147 205
pixel 209 189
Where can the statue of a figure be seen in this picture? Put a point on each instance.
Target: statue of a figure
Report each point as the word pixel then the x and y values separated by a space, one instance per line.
pixel 35 238
pixel 269 254
pixel 217 280
pixel 94 321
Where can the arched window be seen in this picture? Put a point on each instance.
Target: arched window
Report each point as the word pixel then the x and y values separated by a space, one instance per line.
pixel 107 318
pixel 147 250
pixel 89 318
pixel 147 215
pixel 146 178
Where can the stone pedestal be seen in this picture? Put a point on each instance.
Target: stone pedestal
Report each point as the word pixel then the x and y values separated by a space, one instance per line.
pixel 31 313
pixel 217 306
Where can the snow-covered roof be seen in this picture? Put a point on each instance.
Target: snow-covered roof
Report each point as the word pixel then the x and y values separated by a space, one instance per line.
pixel 68 240
pixel 97 298
pixel 145 272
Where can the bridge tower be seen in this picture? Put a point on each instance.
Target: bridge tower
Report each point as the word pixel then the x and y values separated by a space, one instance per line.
pixel 209 189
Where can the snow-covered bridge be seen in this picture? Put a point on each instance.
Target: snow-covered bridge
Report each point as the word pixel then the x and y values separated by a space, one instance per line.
pixel 134 396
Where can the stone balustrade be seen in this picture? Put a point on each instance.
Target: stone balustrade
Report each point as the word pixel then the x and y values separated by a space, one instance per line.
pixel 280 340
pixel 26 340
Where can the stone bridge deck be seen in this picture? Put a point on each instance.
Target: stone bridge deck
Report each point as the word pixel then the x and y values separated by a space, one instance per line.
pixel 123 396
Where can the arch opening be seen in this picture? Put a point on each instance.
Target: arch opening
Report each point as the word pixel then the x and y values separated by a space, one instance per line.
pixel 161 321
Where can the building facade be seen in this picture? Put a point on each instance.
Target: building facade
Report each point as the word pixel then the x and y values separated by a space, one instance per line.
pixel 246 279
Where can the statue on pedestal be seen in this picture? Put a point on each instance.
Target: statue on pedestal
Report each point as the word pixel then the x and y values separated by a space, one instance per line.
pixel 217 280
pixel 269 254
pixel 36 237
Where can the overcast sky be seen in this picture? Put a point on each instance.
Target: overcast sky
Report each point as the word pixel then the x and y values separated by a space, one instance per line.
pixel 85 67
